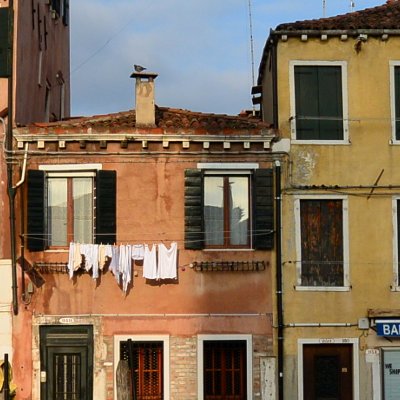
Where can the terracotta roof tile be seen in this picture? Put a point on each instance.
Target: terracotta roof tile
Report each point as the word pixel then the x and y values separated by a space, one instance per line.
pixel 386 16
pixel 167 119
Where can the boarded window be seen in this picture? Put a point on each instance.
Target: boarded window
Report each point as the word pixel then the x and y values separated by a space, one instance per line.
pixel 319 102
pixel 321 242
pixel 225 370
pixel 145 363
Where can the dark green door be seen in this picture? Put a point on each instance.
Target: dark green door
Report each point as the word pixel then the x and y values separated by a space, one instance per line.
pixel 66 358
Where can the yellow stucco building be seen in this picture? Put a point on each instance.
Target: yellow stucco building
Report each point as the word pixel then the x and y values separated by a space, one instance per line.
pixel 332 87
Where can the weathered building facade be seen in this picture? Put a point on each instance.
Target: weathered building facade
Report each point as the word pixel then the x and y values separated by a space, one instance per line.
pixel 332 87
pixel 148 179
pixel 39 78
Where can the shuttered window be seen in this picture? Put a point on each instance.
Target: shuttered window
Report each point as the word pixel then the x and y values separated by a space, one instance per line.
pixel 321 230
pixel 145 360
pixel 318 102
pixel 397 99
pixel 228 210
pixel 5 53
pixel 224 370
pixel 65 207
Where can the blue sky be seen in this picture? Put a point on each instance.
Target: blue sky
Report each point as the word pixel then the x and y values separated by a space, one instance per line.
pixel 199 48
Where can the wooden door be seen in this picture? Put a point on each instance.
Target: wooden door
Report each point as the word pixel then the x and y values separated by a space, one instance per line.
pixel 66 362
pixel 328 372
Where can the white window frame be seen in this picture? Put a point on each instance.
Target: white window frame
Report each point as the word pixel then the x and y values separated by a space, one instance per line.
pixel 346 280
pixel 68 170
pixel 245 169
pixel 392 65
pixel 395 235
pixel 200 360
pixel 145 338
pixel 356 369
pixel 316 63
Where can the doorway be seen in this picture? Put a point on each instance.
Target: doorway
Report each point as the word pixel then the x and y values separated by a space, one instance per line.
pixel 66 362
pixel 328 371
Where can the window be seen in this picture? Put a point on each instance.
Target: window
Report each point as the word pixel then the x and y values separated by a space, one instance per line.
pixel 146 360
pixel 321 243
pixel 318 101
pixel 396 243
pixel 390 373
pixel 69 209
pixel 66 205
pixel 395 98
pixel 228 208
pixel 226 211
pixel 224 365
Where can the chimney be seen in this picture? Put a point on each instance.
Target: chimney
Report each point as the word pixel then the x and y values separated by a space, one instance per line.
pixel 145 106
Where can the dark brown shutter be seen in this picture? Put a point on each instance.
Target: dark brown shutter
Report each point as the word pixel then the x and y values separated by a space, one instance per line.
pixel 36 211
pixel 65 16
pixel 263 214
pixel 4 43
pixel 321 242
pixel 106 209
pixel 194 232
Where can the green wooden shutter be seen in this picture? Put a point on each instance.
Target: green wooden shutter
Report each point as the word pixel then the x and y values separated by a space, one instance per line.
pixel 106 209
pixel 5 71
pixel 36 211
pixel 263 213
pixel 397 100
pixel 194 232
pixel 330 103
pixel 319 103
pixel 306 91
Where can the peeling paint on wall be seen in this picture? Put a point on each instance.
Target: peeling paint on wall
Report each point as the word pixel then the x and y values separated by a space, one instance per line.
pixel 304 165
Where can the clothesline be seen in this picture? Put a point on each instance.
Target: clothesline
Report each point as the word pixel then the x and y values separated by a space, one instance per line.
pixel 159 262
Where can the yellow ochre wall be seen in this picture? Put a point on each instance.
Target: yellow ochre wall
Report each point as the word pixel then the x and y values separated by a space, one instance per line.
pixel 370 219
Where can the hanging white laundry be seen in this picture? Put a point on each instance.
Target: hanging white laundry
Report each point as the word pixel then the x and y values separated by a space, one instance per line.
pixel 150 263
pixel 77 256
pixel 126 264
pixel 138 251
pixel 86 251
pixel 71 255
pixel 102 256
pixel 114 261
pixel 95 260
pixel 167 261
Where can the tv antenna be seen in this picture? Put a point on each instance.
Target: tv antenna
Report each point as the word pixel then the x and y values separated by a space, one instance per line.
pixel 323 8
pixel 251 49
pixel 251 43
pixel 352 5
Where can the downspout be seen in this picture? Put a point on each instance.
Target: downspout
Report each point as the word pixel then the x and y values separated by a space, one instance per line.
pixel 279 300
pixel 22 221
pixel 9 147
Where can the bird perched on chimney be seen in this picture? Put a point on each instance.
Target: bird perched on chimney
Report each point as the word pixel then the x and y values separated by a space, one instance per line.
pixel 139 68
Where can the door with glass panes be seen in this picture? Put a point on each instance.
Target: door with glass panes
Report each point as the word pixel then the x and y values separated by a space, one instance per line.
pixel 66 362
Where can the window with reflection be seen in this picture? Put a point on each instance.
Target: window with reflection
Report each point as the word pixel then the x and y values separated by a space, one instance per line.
pixel 69 210
pixel 226 211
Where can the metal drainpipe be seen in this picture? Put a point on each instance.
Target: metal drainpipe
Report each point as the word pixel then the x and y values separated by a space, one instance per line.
pixel 9 146
pixel 279 300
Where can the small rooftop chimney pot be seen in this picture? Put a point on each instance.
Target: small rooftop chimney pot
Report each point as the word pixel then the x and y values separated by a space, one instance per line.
pixel 145 105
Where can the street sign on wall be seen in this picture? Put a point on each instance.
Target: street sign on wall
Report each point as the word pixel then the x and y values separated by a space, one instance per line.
pixel 389 327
